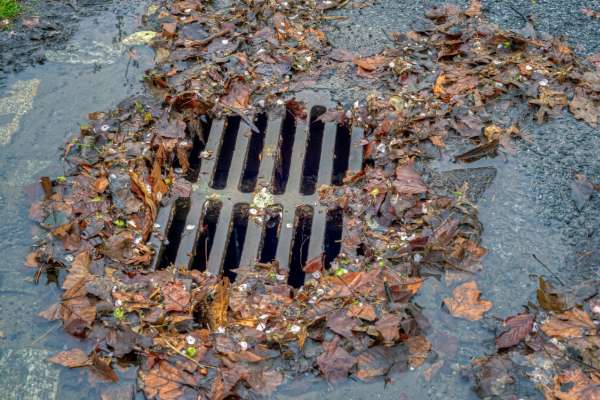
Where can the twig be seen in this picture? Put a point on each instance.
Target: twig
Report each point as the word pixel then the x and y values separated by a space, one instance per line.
pixel 49 331
pixel 548 269
pixel 189 358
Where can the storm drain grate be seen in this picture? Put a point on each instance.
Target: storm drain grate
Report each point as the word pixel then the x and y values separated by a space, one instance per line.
pixel 289 156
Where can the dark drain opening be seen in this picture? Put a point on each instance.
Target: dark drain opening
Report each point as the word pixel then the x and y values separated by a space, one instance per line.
pixel 270 239
pixel 300 243
pixel 235 243
pixel 207 234
pixel 199 130
pixel 333 235
pixel 284 155
pixel 253 155
pixel 310 169
pixel 341 154
pixel 226 153
pixel 182 206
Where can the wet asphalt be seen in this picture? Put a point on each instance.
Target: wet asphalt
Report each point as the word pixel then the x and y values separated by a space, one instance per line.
pixel 526 210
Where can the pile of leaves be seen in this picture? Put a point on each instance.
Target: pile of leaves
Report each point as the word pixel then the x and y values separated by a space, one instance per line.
pixel 455 76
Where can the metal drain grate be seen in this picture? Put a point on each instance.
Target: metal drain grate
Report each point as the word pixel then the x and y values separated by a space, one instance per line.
pixel 291 157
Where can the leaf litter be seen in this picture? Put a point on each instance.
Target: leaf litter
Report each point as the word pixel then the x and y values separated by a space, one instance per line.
pixel 199 335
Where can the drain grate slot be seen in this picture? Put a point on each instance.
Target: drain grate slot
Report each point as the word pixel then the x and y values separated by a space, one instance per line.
pixel 291 157
pixel 253 156
pixel 226 151
pixel 341 154
pixel 284 158
pixel 300 244
pixel 237 238
pixel 270 239
pixel 310 169
pixel 333 235
pixel 174 235
pixel 206 238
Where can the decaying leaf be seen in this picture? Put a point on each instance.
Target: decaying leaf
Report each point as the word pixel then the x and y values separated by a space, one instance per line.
pixel 570 324
pixel 75 358
pixel 515 329
pixel 218 310
pixel 335 364
pixel 465 302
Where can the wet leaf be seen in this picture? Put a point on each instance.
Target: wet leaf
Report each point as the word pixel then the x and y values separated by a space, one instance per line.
pixel 515 329
pixel 552 298
pixel 408 181
pixel 573 385
pixel 373 362
pixel 75 358
pixel 176 296
pixel 335 364
pixel 418 347
pixel 165 381
pixel 314 265
pixel 570 324
pixel 389 327
pixel 370 63
pixel 465 302
pixel 238 96
pixel 584 108
pixel 218 309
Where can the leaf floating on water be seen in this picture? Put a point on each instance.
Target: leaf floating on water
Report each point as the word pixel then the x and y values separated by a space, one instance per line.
pixel 75 358
pixel 465 302
pixel 515 329
pixel 570 324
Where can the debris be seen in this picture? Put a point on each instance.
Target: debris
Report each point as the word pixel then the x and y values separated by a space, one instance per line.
pixel 465 302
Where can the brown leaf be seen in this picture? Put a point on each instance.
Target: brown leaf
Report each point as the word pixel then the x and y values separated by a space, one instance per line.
pixel 516 329
pixel 570 324
pixel 389 327
pixel 314 265
pixel 418 348
pixel 217 316
pixel 408 181
pixel 340 323
pixel 165 381
pixel 74 358
pixel 100 184
pixel 590 13
pixel 52 313
pixel 553 299
pixel 370 63
pixel 238 96
pixel 465 302
pixel 373 362
pixel 176 296
pixel 584 108
pixel 101 367
pixel 336 364
pixel 297 109
pixel 573 385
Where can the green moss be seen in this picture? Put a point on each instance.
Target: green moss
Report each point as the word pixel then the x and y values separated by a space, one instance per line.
pixel 9 9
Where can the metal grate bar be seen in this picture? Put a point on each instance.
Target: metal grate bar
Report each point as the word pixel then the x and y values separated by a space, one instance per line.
pixel 327 154
pixel 159 233
pixel 217 252
pixel 239 157
pixel 286 234
pixel 269 153
pixel 356 150
pixel 254 236
pixel 298 153
pixel 189 238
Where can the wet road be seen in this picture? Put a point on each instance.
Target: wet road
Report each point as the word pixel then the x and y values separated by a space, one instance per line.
pixel 526 210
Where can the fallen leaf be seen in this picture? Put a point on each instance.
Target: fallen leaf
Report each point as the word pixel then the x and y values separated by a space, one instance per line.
pixel 238 96
pixel 570 324
pixel 581 191
pixel 176 296
pixel 515 329
pixel 314 265
pixel 418 348
pixel 465 302
pixel 388 327
pixel 408 181
pixel 217 317
pixel 74 358
pixel 573 385
pixel 584 108
pixel 370 63
pixel 336 364
pixel 474 9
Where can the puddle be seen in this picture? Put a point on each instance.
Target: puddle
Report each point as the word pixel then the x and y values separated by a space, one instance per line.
pixel 39 108
pixel 526 210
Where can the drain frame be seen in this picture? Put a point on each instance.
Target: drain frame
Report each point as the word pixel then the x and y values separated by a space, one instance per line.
pixel 290 200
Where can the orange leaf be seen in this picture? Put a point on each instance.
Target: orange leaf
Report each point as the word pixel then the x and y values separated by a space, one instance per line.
pixel 465 302
pixel 74 358
pixel 570 324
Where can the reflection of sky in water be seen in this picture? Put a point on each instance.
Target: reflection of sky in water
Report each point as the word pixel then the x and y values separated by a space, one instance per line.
pixel 66 93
